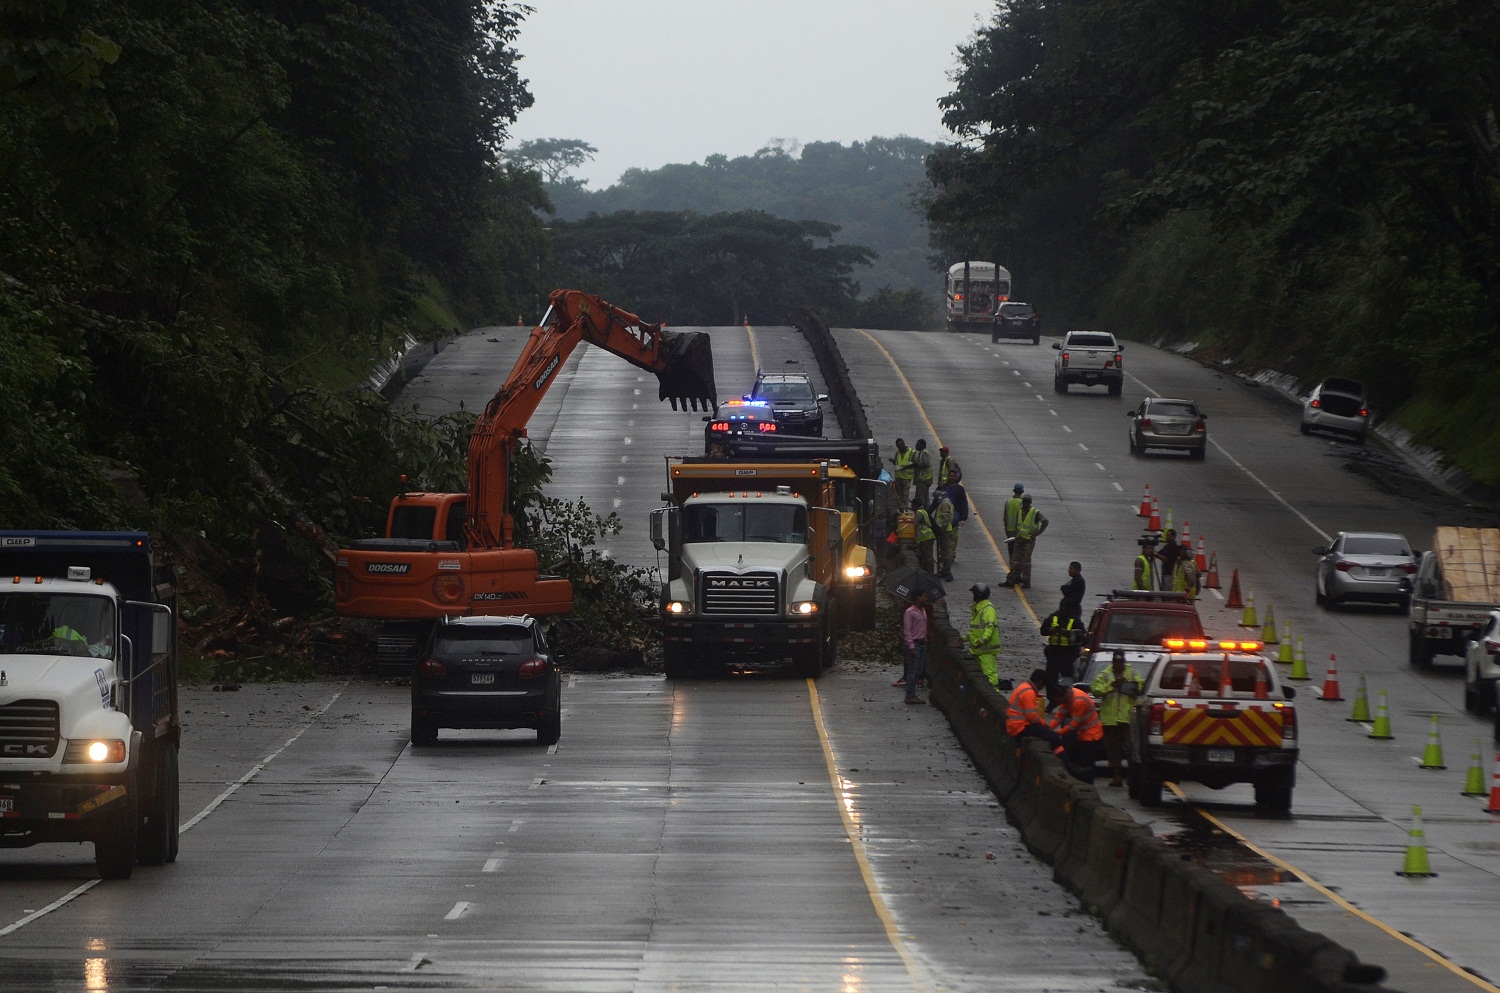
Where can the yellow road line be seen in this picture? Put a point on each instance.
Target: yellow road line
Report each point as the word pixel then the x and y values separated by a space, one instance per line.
pixel 754 351
pixel 1343 904
pixel 841 791
pixel 973 506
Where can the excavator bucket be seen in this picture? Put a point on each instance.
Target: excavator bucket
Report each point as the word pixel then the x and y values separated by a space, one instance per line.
pixel 688 370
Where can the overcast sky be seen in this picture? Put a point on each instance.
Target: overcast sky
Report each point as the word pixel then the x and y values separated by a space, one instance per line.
pixel 648 82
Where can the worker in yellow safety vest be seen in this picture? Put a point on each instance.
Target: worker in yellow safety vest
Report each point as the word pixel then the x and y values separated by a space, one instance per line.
pixel 1013 512
pixel 1030 523
pixel 1117 688
pixel 926 538
pixel 984 632
pixel 921 462
pixel 902 477
pixel 1142 577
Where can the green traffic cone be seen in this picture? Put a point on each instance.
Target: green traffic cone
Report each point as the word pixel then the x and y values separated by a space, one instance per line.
pixel 1432 755
pixel 1299 663
pixel 1284 653
pixel 1474 785
pixel 1268 630
pixel 1416 849
pixel 1361 703
pixel 1247 619
pixel 1382 727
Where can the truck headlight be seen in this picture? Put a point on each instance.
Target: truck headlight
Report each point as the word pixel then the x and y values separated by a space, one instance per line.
pixel 857 571
pixel 804 607
pixel 676 607
pixel 100 751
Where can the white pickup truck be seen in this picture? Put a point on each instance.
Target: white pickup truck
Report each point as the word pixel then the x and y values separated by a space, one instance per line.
pixel 1092 358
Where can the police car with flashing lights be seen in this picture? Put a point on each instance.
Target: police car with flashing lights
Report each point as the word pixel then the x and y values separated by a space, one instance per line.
pixel 1214 713
pixel 737 417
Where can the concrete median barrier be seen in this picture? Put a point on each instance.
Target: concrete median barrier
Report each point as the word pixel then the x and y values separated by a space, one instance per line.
pixel 1092 864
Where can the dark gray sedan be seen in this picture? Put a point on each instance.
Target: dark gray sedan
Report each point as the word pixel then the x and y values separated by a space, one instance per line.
pixel 1165 423
pixel 1365 565
pixel 486 672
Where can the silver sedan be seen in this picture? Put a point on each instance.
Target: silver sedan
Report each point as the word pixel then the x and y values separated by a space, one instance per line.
pixel 1365 565
pixel 1164 423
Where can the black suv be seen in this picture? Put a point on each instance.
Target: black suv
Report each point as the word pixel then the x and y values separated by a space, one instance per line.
pixel 798 408
pixel 486 672
pixel 1017 320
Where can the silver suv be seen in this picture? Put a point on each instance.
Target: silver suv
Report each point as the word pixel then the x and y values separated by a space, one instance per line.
pixel 1337 405
pixel 797 406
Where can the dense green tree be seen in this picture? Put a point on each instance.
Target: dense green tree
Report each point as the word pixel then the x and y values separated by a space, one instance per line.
pixel 551 158
pixel 1309 183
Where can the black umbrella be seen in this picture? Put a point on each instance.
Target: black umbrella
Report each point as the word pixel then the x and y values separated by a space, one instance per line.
pixel 906 582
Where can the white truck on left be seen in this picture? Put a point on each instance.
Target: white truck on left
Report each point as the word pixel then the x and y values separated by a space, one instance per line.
pixel 89 728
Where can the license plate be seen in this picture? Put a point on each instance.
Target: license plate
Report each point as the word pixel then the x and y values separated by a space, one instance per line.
pixel 481 678
pixel 7 803
pixel 1221 754
pixel 1375 571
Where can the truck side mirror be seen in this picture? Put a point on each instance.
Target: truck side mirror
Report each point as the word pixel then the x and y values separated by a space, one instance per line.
pixel 1057 346
pixel 1320 550
pixel 662 520
pixel 1289 692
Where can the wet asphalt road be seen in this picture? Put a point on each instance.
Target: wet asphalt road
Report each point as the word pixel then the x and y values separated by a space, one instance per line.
pixel 704 835
pixel 687 836
pixel 1264 497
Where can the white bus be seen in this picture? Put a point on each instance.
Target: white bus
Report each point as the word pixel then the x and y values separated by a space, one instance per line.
pixel 975 292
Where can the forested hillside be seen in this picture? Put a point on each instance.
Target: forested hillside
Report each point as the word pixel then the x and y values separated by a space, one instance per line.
pixel 1305 185
pixel 869 190
pixel 215 214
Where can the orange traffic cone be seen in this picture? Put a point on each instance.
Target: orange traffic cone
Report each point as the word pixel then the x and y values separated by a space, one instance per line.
pixel 1201 562
pixel 1236 599
pixel 1262 688
pixel 1211 577
pixel 1154 523
pixel 1494 807
pixel 1331 682
pixel 1145 510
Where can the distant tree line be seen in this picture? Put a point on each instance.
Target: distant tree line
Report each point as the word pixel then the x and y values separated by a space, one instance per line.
pixel 1312 185
pixel 865 195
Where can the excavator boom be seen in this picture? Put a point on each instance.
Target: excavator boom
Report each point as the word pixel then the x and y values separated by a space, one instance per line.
pixel 459 558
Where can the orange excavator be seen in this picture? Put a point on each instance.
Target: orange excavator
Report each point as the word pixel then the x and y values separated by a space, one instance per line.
pixel 447 554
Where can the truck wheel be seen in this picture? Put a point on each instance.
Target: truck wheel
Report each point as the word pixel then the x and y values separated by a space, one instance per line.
pixel 115 846
pixel 674 662
pixel 156 840
pixel 424 731
pixel 1486 693
pixel 1036 339
pixel 1417 652
pixel 1148 789
pixel 551 730
pixel 1273 791
pixel 1059 385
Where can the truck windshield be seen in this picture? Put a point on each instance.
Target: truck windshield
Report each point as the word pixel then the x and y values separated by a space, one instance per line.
pixel 781 522
pixel 56 624
pixel 1149 629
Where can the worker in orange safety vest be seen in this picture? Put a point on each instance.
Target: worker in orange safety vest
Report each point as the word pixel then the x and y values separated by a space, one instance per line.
pixel 1025 711
pixel 1076 721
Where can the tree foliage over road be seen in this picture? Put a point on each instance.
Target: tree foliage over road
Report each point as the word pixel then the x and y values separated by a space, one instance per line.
pixel 211 208
pixel 1314 184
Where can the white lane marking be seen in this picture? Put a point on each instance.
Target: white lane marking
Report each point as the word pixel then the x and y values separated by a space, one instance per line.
pixel 1008 363
pixel 1067 429
pixel 1217 594
pixel 615 503
pixel 627 441
pixel 1026 384
pixel 636 392
pixel 635 406
pixel 459 909
pixel 619 480
pixel 491 865
pixel 1014 372
pixel 1083 446
pixel 1099 466
pixel 416 962
pixel 1041 398
pixel 213 805
pixel 1243 468
pixel 1051 411
pixel 624 458
pixel 515 826
pixel 1121 489
pixel 537 781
